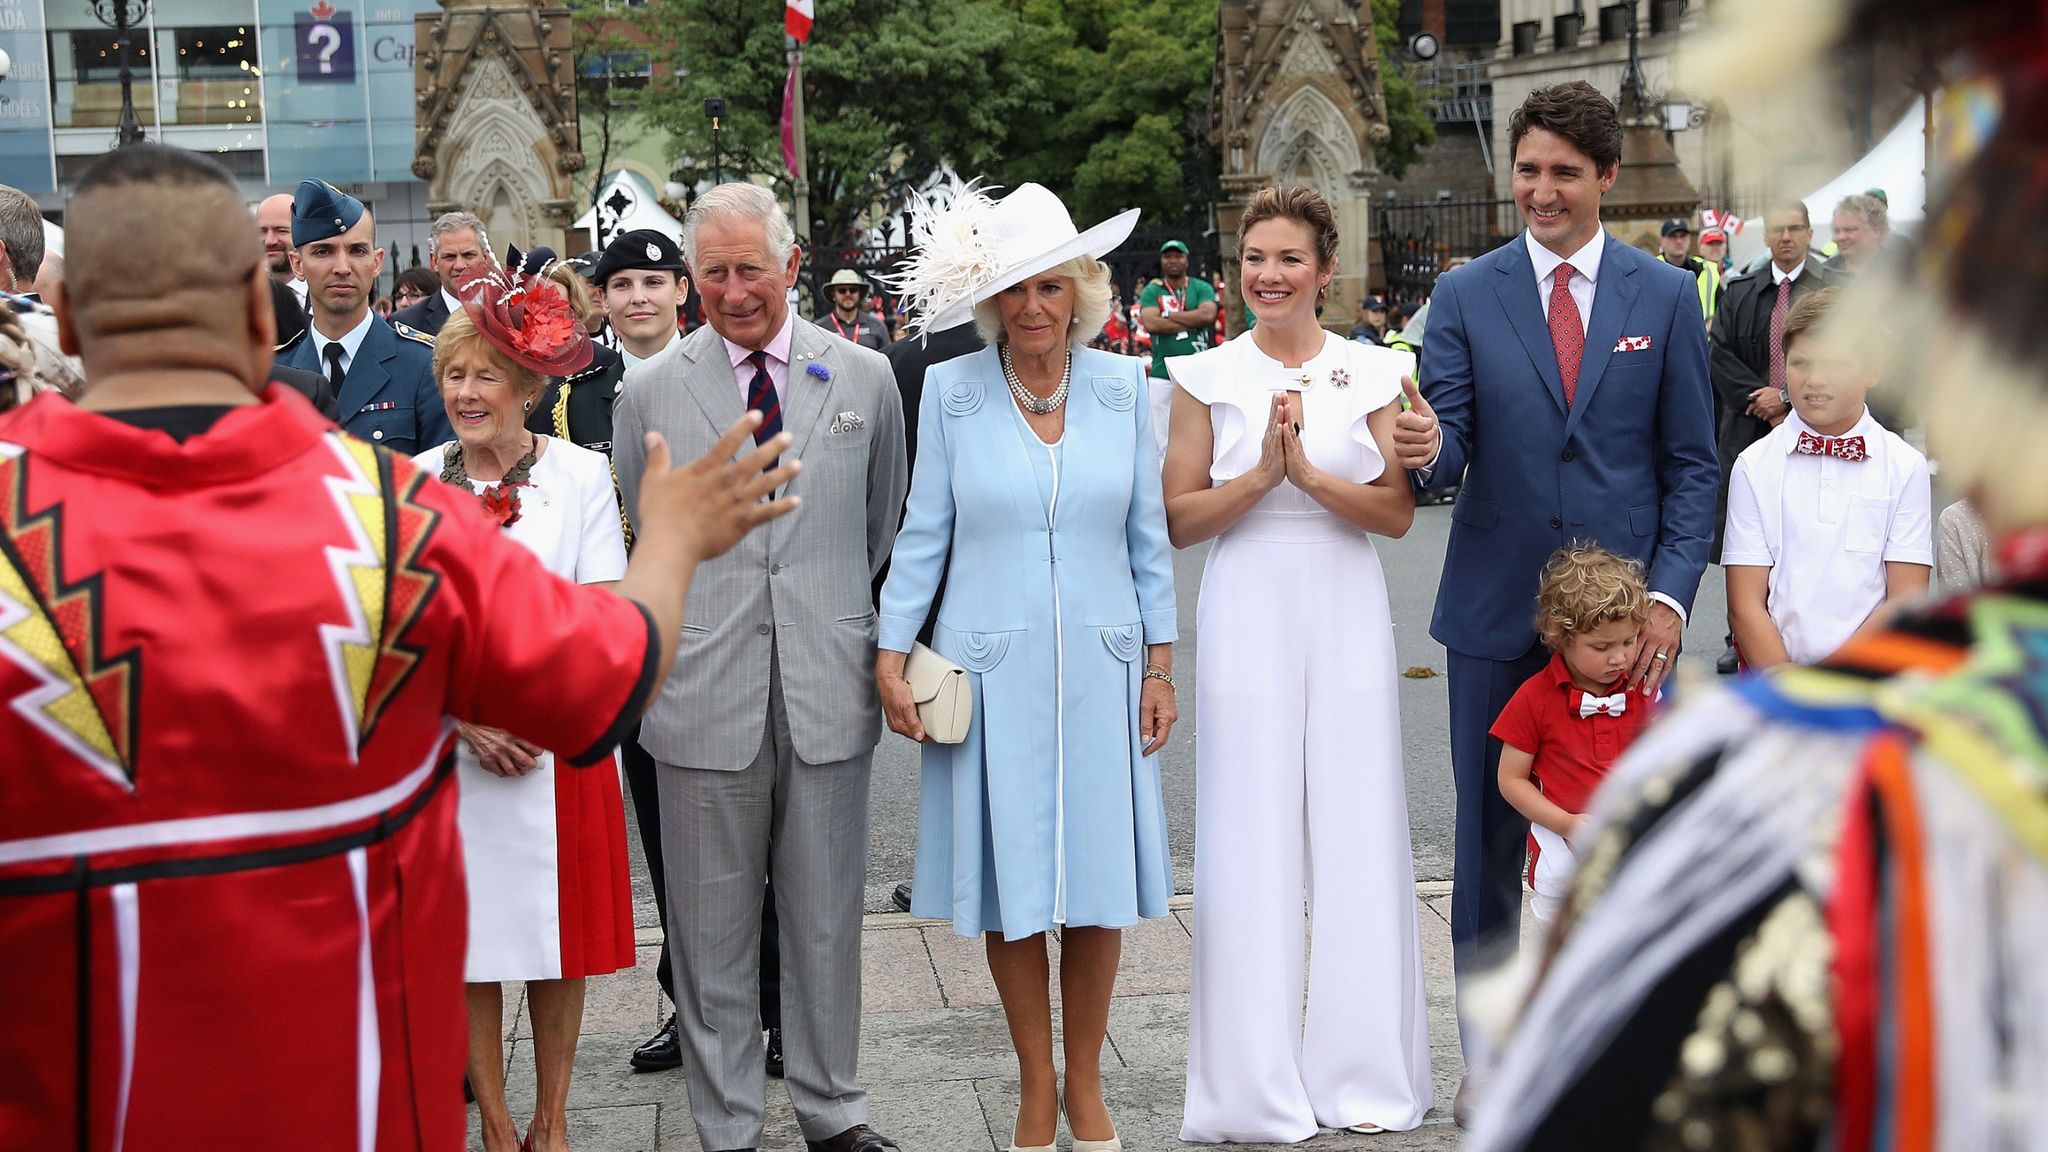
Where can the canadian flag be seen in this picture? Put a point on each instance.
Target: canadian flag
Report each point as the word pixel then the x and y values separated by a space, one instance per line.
pixel 796 19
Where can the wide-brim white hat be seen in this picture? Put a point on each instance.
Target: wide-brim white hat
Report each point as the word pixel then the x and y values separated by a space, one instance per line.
pixel 974 247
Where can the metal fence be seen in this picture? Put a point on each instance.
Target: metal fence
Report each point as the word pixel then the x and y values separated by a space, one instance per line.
pixel 1418 241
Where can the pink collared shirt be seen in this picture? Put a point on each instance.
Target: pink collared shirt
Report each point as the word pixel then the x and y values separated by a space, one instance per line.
pixel 778 361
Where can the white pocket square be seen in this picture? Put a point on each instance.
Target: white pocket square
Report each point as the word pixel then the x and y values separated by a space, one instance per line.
pixel 847 422
pixel 1632 344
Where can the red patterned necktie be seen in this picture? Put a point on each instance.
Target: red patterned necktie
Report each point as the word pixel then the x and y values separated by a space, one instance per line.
pixel 1778 311
pixel 1840 447
pixel 1567 333
pixel 761 398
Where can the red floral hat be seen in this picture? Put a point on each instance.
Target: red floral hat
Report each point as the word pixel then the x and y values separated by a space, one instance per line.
pixel 528 319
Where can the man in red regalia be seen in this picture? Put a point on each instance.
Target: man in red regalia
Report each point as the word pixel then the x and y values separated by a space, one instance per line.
pixel 233 643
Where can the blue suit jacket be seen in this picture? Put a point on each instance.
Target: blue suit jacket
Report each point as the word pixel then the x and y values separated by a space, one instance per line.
pixel 389 397
pixel 1630 464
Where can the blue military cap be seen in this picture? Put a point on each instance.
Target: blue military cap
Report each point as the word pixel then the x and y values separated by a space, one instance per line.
pixel 320 211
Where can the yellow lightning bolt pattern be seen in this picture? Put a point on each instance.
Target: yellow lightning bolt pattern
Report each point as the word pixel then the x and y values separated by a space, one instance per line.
pixel 61 706
pixel 359 572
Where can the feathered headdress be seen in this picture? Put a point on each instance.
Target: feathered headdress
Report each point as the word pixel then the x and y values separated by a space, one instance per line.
pixel 953 253
pixel 528 319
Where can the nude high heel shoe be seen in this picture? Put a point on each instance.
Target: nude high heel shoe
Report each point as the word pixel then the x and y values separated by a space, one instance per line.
pixel 1113 1144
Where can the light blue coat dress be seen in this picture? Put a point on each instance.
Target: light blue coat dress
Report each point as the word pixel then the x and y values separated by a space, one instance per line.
pixel 1046 814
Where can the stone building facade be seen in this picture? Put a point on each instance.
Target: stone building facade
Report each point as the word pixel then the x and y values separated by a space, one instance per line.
pixel 496 132
pixel 1298 101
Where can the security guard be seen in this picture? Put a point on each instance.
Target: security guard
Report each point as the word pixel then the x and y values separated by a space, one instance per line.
pixel 1677 251
pixel 382 374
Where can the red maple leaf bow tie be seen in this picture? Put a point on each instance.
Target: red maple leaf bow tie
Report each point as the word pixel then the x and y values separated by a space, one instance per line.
pixel 1591 705
pixel 1840 447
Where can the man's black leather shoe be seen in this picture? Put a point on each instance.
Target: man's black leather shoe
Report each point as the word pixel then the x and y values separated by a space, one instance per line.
pixel 775 1052
pixel 663 1050
pixel 859 1138
pixel 1729 662
pixel 901 897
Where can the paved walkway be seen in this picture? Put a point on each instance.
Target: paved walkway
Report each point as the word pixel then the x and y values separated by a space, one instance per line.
pixel 935 1054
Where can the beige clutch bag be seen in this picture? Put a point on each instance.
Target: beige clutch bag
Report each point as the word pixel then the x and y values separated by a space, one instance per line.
pixel 944 705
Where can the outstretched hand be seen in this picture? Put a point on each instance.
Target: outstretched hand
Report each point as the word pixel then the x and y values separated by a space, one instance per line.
pixel 1417 436
pixel 707 505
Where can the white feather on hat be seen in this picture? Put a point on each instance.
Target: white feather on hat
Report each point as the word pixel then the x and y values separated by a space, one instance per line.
pixel 972 248
pixel 953 252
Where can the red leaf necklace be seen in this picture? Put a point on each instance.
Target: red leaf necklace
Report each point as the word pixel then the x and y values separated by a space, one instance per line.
pixel 500 500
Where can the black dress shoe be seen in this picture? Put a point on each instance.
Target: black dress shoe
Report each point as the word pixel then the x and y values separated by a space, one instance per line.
pixel 901 897
pixel 859 1138
pixel 663 1050
pixel 775 1052
pixel 1729 662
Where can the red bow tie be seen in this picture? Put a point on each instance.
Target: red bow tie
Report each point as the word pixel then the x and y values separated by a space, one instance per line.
pixel 1840 447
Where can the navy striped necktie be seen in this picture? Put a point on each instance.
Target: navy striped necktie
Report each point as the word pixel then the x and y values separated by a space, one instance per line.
pixel 761 398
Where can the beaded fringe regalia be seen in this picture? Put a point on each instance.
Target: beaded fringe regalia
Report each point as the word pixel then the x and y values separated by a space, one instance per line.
pixel 1883 822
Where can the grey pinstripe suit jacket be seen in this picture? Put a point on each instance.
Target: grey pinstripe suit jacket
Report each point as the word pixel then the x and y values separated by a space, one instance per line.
pixel 804 581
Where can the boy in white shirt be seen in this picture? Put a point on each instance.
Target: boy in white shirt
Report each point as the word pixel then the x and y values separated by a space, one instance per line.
pixel 1828 515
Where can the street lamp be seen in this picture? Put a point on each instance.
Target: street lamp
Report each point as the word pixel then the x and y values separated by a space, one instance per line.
pixel 714 107
pixel 115 14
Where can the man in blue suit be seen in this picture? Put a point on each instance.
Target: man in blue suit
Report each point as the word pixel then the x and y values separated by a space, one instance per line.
pixel 1567 385
pixel 382 376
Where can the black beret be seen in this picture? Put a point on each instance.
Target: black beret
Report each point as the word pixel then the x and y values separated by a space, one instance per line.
pixel 640 248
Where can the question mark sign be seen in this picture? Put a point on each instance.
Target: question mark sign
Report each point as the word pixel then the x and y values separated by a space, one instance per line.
pixel 327 41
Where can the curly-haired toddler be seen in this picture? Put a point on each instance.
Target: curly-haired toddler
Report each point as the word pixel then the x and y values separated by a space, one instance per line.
pixel 1563 729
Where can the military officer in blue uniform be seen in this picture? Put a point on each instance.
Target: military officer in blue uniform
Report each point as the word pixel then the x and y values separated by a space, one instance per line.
pixel 381 374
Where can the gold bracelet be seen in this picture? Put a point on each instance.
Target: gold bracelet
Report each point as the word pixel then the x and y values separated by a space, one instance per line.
pixel 1154 672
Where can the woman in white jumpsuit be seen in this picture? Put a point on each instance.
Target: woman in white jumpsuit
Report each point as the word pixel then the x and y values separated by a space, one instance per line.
pixel 1299 793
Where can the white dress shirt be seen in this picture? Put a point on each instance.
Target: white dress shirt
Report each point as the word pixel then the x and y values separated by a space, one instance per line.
pixel 778 361
pixel 1780 276
pixel 1826 528
pixel 350 342
pixel 1585 272
pixel 626 353
pixel 448 298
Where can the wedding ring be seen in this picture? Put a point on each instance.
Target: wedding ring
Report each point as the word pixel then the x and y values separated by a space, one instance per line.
pixel 1657 656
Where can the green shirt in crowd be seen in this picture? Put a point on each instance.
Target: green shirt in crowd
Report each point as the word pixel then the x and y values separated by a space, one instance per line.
pixel 1157 295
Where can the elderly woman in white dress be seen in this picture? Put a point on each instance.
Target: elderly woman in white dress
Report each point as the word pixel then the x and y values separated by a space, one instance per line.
pixel 550 899
pixel 1279 453
pixel 1036 493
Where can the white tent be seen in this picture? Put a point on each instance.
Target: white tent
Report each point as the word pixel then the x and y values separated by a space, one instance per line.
pixel 627 202
pixel 1897 164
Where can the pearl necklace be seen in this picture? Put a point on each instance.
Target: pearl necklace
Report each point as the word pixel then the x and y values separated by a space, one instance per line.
pixel 1024 395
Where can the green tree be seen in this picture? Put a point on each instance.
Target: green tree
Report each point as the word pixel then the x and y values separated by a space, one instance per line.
pixel 1407 116
pixel 1125 118
pixel 603 37
pixel 893 89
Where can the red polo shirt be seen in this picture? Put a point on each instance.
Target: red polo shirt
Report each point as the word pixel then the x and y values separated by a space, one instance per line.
pixel 1573 752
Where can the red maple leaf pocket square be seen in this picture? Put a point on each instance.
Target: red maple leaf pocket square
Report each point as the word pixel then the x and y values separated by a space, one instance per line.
pixel 1632 344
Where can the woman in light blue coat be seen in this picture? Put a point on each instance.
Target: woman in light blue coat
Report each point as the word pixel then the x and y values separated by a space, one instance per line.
pixel 1036 497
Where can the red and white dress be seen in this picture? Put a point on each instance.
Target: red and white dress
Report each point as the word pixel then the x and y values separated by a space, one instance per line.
pixel 231 900
pixel 550 895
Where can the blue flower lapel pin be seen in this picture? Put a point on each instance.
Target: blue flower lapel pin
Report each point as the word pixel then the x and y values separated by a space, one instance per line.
pixel 814 368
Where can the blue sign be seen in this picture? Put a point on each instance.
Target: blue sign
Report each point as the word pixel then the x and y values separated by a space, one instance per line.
pixel 327 45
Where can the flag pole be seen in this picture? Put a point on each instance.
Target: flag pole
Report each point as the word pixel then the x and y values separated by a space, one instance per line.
pixel 802 188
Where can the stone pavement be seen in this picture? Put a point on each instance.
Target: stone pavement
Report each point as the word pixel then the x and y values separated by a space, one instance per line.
pixel 935 1054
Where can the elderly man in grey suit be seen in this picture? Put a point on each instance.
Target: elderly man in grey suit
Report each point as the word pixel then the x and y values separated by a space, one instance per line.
pixel 764 733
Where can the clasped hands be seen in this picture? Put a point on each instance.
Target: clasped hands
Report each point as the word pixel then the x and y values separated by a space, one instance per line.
pixel 500 752
pixel 1281 456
